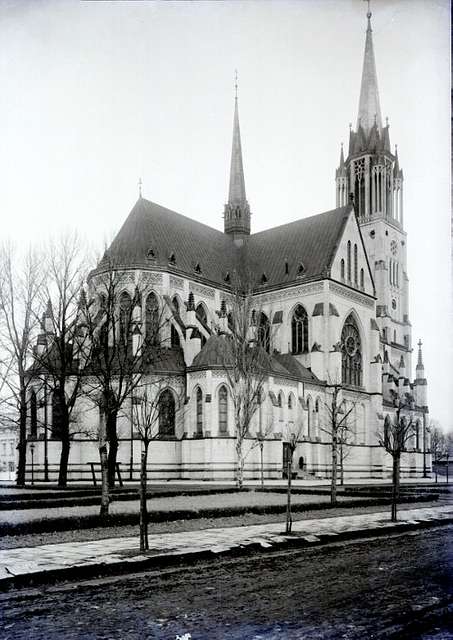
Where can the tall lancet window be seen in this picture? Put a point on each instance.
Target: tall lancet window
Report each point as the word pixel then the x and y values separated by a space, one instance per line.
pixel 264 332
pixel 152 321
pixel 200 312
pixel 299 330
pixel 126 321
pixel 174 336
pixel 348 260
pixel 351 353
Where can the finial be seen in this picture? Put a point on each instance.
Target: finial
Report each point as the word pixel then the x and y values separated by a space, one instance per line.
pixel 386 121
pixel 236 84
pixel 369 14
pixel 375 118
pixel 342 146
pixel 140 188
pixel 350 126
pixel 420 343
pixel 420 358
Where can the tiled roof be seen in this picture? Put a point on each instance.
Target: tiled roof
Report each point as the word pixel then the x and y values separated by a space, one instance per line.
pixel 295 368
pixel 308 245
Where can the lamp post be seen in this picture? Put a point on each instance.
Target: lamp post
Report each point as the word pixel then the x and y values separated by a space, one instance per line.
pixel 447 455
pixel 46 457
pixel 32 450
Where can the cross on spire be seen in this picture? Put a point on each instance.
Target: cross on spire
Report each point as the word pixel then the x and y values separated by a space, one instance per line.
pixel 140 187
pixel 236 83
pixel 368 15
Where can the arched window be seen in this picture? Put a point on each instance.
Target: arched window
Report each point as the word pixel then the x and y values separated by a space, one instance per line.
pixel 299 330
pixel 200 312
pixel 152 321
pixel 397 276
pixel 223 410
pixel 56 415
pixel 349 261
pixel 387 426
pixel 33 415
pixel 199 411
pixel 417 434
pixel 166 408
pixel 290 401
pixel 174 335
pixel 342 269
pixel 125 336
pixel 362 279
pixel 355 265
pixel 264 332
pixel 310 417
pixel 352 353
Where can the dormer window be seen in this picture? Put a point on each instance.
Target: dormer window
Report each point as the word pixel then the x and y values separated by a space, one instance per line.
pixel 151 255
pixel 263 279
pixel 172 258
pixel 301 269
pixel 197 268
pixel 227 277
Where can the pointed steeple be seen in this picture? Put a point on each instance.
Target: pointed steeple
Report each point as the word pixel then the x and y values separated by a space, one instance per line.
pixel 237 210
pixel 369 107
pixel 236 194
pixel 420 369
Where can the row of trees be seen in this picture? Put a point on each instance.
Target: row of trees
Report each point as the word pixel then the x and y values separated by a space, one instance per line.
pixel 89 345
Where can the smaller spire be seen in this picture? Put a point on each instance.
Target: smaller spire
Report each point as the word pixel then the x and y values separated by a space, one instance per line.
pixel 420 357
pixel 341 157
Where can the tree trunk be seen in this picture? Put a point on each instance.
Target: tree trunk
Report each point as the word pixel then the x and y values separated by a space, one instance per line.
pixel 22 445
pixel 262 464
pixel 341 465
pixel 105 494
pixel 112 438
pixel 144 545
pixel 396 486
pixel 65 447
pixel 239 464
pixel 333 484
pixel 289 517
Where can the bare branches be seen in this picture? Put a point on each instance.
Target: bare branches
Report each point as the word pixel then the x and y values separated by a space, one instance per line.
pixel 21 282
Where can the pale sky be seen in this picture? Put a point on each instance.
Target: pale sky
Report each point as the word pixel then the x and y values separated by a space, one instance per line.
pixel 96 94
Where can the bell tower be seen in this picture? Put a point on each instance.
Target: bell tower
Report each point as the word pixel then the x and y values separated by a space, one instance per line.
pixel 372 179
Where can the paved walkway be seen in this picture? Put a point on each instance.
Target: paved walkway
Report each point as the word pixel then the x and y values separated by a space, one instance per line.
pixel 55 557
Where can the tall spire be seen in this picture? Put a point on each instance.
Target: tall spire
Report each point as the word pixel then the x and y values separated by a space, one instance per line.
pixel 369 107
pixel 237 183
pixel 237 211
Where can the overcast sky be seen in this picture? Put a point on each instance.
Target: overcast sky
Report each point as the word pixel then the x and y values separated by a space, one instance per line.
pixel 96 94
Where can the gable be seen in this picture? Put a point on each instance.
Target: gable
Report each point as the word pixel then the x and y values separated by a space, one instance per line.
pixel 348 263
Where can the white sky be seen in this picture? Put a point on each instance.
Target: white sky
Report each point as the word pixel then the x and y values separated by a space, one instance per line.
pixel 96 94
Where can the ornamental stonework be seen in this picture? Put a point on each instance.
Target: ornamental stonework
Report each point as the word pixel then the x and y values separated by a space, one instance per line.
pixel 295 292
pixel 351 295
pixel 198 375
pixel 176 283
pixel 150 278
pixel 206 292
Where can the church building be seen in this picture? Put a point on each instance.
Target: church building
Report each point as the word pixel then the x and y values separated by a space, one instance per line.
pixel 330 297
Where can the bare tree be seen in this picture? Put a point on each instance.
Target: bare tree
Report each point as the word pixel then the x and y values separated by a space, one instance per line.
pixel 292 437
pixel 121 350
pixel 438 445
pixel 344 442
pixel 396 435
pixel 21 280
pixel 337 427
pixel 61 365
pixel 246 366
pixel 150 410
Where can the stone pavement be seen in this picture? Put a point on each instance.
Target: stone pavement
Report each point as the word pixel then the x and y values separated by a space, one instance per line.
pixel 117 553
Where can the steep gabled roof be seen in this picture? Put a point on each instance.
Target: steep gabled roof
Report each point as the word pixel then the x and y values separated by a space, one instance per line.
pixel 151 227
pixel 307 245
pixel 152 234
